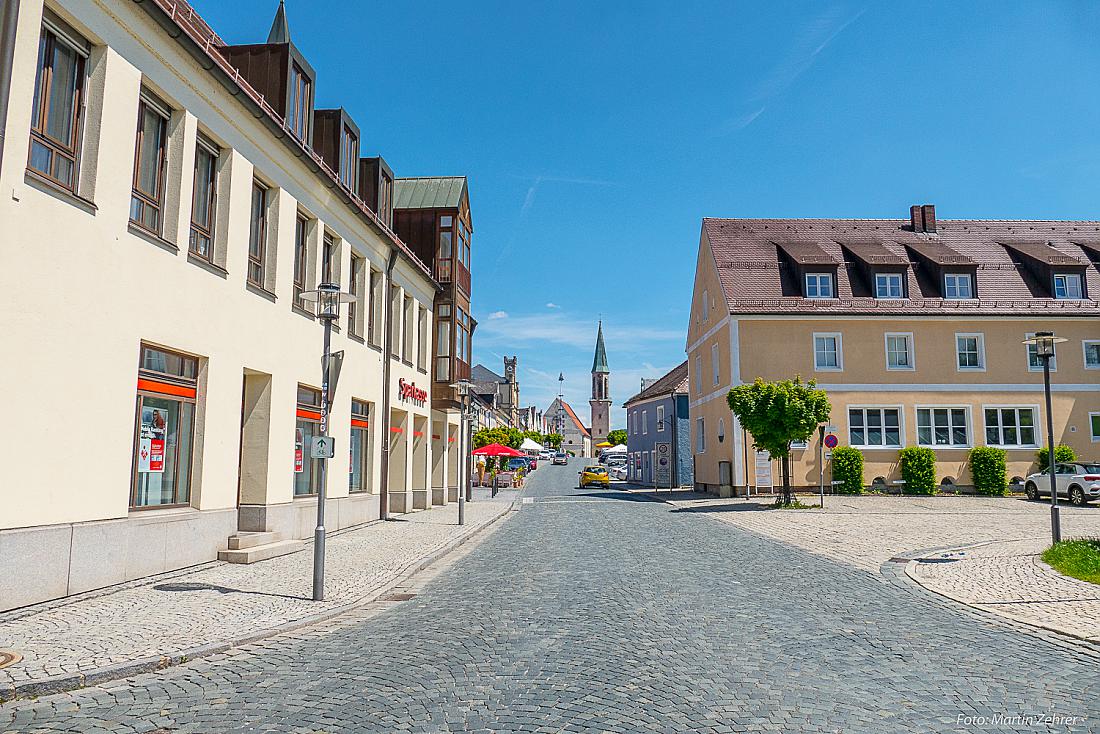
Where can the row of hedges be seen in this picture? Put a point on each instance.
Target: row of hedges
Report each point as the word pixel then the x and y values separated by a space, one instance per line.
pixel 988 467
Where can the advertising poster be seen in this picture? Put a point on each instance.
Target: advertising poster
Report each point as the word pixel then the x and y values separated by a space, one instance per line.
pixel 299 440
pixel 763 470
pixel 154 431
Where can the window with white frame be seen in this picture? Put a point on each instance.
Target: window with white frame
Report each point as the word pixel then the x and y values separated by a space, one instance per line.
pixel 888 285
pixel 827 352
pixel 819 285
pixel 706 305
pixel 645 422
pixel 660 418
pixel 700 436
pixel 714 364
pixel 634 422
pixel 970 351
pixel 874 427
pixel 899 352
pixel 958 286
pixel 1034 363
pixel 1092 354
pixel 1068 286
pixel 1010 426
pixel 1094 426
pixel 699 373
pixel 942 427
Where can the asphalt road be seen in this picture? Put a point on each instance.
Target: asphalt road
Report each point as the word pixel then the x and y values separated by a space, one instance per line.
pixel 600 611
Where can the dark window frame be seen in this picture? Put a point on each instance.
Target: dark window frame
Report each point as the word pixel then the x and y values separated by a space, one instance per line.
pixel 301 258
pixel 147 199
pixel 43 89
pixel 257 235
pixel 300 102
pixel 205 229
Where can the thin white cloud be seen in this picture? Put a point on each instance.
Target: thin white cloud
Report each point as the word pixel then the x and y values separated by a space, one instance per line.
pixel 498 315
pixel 552 305
pixel 558 328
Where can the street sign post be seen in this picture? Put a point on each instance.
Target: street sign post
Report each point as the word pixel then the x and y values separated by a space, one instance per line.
pixel 664 465
pixel 322 447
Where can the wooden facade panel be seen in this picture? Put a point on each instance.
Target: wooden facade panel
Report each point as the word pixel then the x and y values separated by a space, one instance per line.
pixel 265 66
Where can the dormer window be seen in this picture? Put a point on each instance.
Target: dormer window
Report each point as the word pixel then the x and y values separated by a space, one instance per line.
pixel 958 286
pixel 819 285
pixel 349 157
pixel 300 109
pixel 1068 286
pixel 888 285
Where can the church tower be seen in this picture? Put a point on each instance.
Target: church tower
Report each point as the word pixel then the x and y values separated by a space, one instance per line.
pixel 601 395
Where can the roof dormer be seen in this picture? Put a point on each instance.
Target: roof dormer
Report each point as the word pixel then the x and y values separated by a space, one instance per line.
pixel 376 187
pixel 1048 272
pixel 806 270
pixel 336 140
pixel 943 273
pixel 876 271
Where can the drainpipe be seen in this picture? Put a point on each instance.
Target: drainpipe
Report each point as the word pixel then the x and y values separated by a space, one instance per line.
pixel 9 15
pixel 387 348
pixel 674 471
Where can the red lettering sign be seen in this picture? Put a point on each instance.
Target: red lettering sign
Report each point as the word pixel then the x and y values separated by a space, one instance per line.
pixel 409 391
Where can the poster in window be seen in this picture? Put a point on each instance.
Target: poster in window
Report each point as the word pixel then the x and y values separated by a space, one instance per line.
pixel 154 429
pixel 299 440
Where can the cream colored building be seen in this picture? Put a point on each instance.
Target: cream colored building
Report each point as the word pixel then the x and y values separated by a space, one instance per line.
pixel 914 328
pixel 161 373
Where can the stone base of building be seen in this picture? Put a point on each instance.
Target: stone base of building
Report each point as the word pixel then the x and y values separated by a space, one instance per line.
pixel 298 518
pixel 439 495
pixel 421 499
pixel 400 502
pixel 452 494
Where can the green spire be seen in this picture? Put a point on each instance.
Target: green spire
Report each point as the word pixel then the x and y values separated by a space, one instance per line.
pixel 280 29
pixel 599 362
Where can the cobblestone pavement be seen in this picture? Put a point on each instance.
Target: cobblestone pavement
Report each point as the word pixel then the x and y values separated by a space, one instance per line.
pixel 173 613
pixel 604 611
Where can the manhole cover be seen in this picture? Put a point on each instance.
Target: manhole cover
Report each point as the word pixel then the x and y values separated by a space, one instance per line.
pixel 8 657
pixel 398 597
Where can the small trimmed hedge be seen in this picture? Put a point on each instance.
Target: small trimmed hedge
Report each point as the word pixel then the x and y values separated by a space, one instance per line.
pixel 848 468
pixel 1062 454
pixel 988 468
pixel 918 469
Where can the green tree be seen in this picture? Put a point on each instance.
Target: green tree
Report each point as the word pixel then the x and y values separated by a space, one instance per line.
pixel 617 437
pixel 535 436
pixel 779 413
pixel 554 440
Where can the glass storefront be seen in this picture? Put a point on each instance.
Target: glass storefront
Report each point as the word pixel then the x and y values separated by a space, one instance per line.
pixel 307 471
pixel 165 424
pixel 359 477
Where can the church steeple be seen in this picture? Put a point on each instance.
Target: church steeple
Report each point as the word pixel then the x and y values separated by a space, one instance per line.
pixel 601 394
pixel 599 361
pixel 280 29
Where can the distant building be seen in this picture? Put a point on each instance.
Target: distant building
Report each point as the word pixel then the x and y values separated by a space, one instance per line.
pixel 659 415
pixel 501 392
pixel 563 419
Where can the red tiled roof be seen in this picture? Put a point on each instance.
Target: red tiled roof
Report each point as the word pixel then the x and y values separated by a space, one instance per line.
pixel 675 381
pixel 572 415
pixel 745 252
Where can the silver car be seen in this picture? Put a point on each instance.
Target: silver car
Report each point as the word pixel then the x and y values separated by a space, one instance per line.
pixel 1077 481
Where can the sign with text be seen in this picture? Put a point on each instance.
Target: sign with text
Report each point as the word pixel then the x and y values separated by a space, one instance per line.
pixel 409 391
pixel 764 470
pixel 299 439
pixel 154 429
pixel 664 464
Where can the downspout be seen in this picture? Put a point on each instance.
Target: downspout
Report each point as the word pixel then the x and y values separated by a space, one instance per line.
pixel 9 16
pixel 387 347
pixel 674 474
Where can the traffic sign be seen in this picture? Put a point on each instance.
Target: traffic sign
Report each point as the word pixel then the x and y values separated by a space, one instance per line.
pixel 831 441
pixel 322 447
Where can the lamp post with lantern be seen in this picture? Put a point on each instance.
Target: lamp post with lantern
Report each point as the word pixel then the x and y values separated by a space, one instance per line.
pixel 462 388
pixel 328 298
pixel 1043 342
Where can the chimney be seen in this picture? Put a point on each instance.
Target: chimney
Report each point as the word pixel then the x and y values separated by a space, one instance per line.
pixel 915 218
pixel 928 215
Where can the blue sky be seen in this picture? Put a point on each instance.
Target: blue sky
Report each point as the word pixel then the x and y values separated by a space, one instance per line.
pixel 596 135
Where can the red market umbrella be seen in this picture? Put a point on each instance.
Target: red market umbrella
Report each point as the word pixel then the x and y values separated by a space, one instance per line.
pixel 495 449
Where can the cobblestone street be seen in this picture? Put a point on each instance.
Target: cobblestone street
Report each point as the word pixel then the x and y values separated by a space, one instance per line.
pixel 602 611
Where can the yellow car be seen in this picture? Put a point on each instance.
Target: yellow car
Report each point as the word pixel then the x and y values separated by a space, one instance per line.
pixel 595 474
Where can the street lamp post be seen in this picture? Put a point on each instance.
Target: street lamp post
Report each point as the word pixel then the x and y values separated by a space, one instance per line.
pixel 1044 342
pixel 462 387
pixel 328 298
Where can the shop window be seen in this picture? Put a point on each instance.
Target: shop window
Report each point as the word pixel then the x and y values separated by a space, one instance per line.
pixel 359 478
pixel 150 157
pixel 57 116
pixel 307 471
pixel 204 201
pixel 165 424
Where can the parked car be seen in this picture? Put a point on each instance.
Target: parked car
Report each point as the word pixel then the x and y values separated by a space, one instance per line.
pixel 616 460
pixel 533 462
pixel 546 455
pixel 617 472
pixel 594 474
pixel 1077 481
pixel 516 463
pixel 560 458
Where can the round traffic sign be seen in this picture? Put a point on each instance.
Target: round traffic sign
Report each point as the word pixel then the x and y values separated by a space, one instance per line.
pixel 831 441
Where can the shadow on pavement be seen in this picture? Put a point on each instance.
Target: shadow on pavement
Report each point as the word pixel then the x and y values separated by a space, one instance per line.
pixel 192 586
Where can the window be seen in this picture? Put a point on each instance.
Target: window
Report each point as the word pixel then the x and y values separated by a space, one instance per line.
pixel 395 321
pixel 819 285
pixel 57 116
pixel 1068 286
pixel 444 259
pixel 163 445
pixel 1034 363
pixel 942 427
pixel 970 351
pixel 462 350
pixel 699 374
pixel 874 427
pixel 385 200
pixel 147 199
pixel 660 418
pixel 407 331
pixel 359 476
pixel 645 422
pixel 300 103
pixel 355 310
pixel 827 352
pixel 899 351
pixel 634 422
pixel 374 307
pixel 307 471
pixel 957 286
pixel 257 236
pixel 301 259
pixel 1092 354
pixel 349 157
pixel 422 337
pixel 464 235
pixel 700 436
pixel 1094 426
pixel 715 365
pixel 443 343
pixel 706 305
pixel 1010 427
pixel 888 285
pixel 328 252
pixel 204 200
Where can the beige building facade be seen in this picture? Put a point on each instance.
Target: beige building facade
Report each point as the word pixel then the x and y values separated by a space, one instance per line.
pixel 931 355
pixel 166 372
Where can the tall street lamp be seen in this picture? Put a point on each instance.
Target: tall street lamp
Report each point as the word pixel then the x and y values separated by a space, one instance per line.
pixel 462 388
pixel 1043 342
pixel 328 298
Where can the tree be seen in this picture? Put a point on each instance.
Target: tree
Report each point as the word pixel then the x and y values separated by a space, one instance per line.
pixel 617 437
pixel 554 440
pixel 534 436
pixel 778 414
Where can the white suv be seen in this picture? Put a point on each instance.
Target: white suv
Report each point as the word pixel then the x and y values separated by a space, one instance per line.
pixel 1077 481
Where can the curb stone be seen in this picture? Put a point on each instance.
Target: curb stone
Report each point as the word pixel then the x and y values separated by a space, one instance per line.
pixel 74 681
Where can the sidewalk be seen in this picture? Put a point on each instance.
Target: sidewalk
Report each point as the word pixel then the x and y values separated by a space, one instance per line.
pixel 156 622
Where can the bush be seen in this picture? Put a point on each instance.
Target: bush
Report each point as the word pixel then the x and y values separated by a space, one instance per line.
pixel 848 468
pixel 918 469
pixel 988 469
pixel 1062 453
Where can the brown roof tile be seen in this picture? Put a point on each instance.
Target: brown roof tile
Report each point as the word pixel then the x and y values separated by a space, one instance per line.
pixel 675 381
